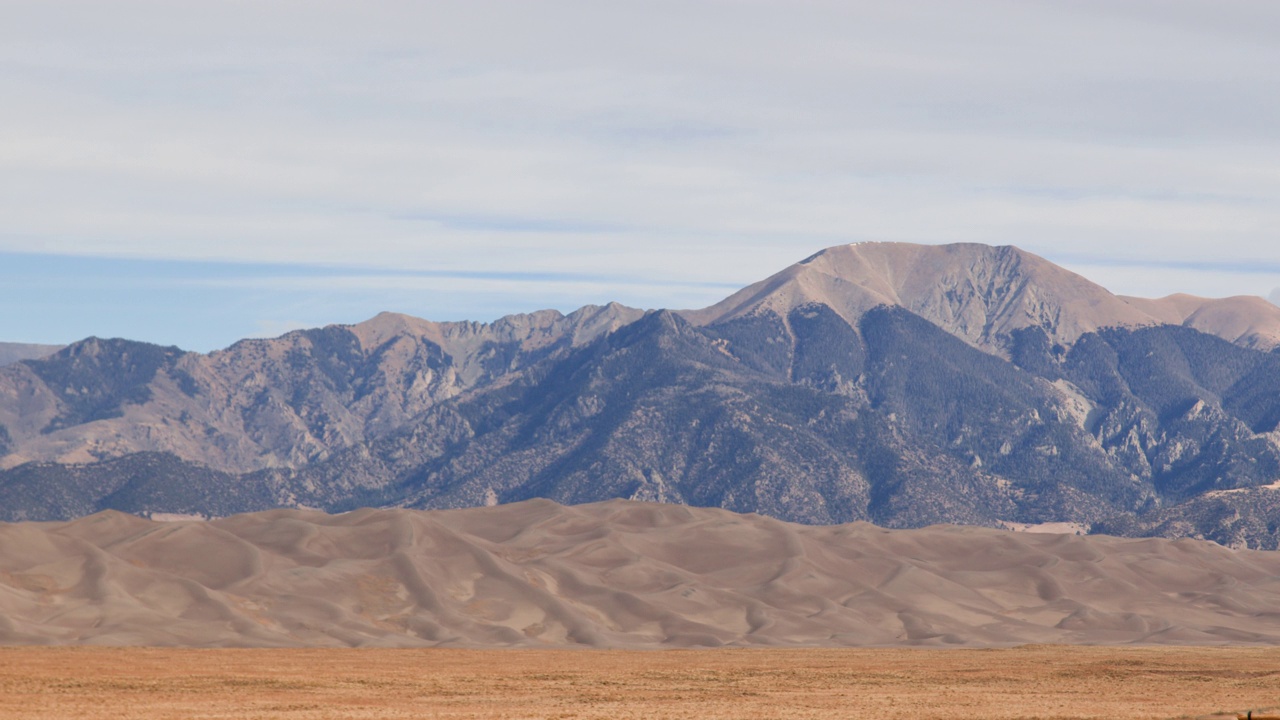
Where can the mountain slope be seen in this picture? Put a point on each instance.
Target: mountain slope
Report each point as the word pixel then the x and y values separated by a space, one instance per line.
pixel 285 402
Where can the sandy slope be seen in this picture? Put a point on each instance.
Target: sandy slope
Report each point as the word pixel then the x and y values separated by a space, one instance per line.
pixel 615 574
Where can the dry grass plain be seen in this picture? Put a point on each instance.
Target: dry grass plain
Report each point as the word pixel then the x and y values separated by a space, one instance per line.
pixel 1025 682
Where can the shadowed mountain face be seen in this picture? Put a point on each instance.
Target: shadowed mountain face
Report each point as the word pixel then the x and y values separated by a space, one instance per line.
pixel 615 574
pixel 903 385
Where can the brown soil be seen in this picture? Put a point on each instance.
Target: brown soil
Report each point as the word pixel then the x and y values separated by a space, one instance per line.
pixel 1027 682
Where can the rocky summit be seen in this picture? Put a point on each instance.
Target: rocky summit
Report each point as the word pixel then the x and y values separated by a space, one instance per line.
pixel 904 385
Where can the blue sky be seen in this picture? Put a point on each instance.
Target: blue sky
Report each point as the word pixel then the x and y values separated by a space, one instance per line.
pixel 193 173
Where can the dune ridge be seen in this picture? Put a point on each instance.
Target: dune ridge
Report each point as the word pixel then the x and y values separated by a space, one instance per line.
pixel 615 574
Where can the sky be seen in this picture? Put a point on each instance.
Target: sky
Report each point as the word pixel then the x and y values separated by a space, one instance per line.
pixel 192 173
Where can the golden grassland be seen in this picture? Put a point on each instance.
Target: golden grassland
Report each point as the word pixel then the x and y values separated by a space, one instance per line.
pixel 1025 682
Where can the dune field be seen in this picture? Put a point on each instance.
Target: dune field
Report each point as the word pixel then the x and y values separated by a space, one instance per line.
pixel 613 575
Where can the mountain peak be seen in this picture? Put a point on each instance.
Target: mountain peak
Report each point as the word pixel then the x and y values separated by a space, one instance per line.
pixel 388 325
pixel 982 294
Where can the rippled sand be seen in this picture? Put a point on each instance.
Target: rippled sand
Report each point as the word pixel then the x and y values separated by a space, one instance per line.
pixel 613 575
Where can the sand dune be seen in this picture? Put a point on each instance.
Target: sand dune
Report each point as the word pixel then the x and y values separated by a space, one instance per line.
pixel 614 574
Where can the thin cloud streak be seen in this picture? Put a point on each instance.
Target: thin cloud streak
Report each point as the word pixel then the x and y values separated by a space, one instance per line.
pixel 463 282
pixel 1155 281
pixel 692 144
pixel 1262 267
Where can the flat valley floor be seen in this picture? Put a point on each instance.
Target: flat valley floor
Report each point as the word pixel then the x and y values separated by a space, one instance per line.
pixel 1025 682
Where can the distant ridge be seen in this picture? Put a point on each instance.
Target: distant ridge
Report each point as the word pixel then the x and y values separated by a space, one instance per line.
pixel 11 353
pixel 616 574
pixel 136 397
pixel 1245 320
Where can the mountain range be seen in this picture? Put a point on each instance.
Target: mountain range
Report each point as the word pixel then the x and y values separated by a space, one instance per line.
pixel 899 384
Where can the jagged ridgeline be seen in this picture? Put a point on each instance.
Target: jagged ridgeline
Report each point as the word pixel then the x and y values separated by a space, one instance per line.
pixel 901 384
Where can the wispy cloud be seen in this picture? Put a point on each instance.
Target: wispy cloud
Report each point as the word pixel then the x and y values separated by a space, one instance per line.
pixel 205 305
pixel 497 223
pixel 676 144
pixel 1261 266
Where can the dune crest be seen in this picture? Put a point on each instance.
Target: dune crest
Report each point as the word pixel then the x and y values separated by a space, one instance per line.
pixel 614 574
